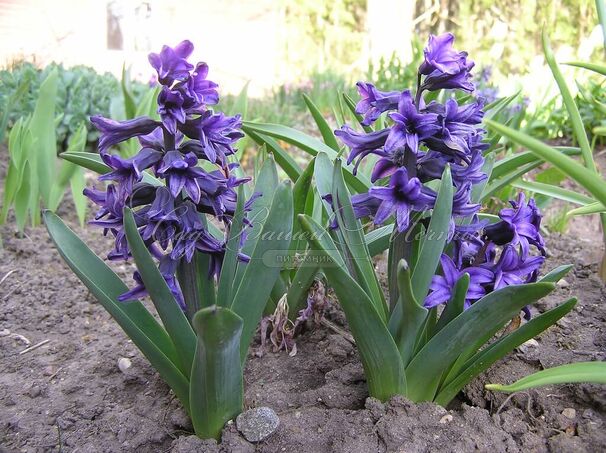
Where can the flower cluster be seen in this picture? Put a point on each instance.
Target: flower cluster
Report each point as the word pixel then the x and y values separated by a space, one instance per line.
pixel 170 214
pixel 413 151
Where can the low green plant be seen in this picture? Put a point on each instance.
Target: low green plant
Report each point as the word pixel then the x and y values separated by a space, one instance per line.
pixel 209 285
pixel 422 198
pixel 35 178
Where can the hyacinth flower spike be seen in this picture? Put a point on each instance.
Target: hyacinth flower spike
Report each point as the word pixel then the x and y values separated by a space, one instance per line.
pixel 455 279
pixel 209 284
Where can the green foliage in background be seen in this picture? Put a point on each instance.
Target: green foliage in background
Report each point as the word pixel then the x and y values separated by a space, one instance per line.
pixel 34 176
pixel 81 92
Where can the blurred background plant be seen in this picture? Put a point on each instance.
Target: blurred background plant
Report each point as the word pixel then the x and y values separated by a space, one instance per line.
pixel 319 49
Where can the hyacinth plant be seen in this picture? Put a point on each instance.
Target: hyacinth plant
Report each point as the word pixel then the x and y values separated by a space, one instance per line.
pixel 177 208
pixel 456 276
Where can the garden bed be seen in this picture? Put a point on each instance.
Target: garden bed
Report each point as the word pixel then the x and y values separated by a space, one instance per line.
pixel 69 394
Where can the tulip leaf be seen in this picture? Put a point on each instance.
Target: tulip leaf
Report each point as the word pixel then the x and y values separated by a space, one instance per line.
pixel 587 372
pixel 380 357
pixel 261 273
pixel 482 360
pixel 140 326
pixel 174 320
pixel 483 318
pixel 217 389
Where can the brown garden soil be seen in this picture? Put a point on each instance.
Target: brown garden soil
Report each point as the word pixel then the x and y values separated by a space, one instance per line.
pixel 69 395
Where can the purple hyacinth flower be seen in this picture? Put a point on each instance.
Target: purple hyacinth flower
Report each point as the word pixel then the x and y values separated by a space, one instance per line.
pixel 374 102
pixel 410 126
pixel 461 202
pixel 361 144
pixel 109 217
pixel 171 64
pixel 513 269
pixel 161 219
pixel 114 132
pixel 170 109
pixel 442 286
pixel 440 56
pixel 198 90
pixel 400 197
pixel 216 133
pixel 519 224
pixel 431 166
pixel 129 171
pixel 364 205
pixel 461 80
pixel 181 173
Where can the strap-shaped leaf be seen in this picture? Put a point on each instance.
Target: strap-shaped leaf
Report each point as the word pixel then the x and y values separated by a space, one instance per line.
pixel 301 199
pixel 308 144
pixel 327 133
pixel 592 208
pixel 140 326
pixel 300 284
pixel 170 313
pixel 217 389
pixel 435 238
pixel 413 315
pixel 512 163
pixel 380 357
pixel 283 159
pixel 554 192
pixel 556 274
pixel 586 178
pixel 589 372
pixel 485 358
pixel 230 261
pixel 265 185
pixel 264 268
pixel 377 240
pixel 573 111
pixel 597 68
pixel 355 250
pixel 495 186
pixel 484 317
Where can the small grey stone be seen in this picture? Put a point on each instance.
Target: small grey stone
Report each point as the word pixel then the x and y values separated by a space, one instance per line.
pixel 258 423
